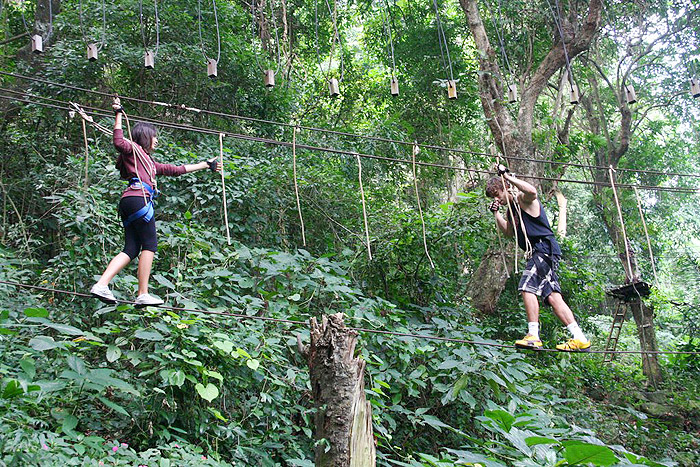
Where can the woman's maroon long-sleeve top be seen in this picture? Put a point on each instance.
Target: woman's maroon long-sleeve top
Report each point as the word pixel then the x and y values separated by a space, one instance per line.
pixel 131 163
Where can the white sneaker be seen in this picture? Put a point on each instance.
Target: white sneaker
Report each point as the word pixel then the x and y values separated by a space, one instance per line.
pixel 147 300
pixel 103 293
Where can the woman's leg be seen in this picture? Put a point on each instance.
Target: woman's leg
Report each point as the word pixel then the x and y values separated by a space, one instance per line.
pixel 118 263
pixel 144 270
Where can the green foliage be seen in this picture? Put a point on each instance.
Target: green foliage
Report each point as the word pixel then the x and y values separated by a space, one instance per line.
pixel 82 383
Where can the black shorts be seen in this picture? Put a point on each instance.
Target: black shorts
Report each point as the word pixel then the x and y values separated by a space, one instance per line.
pixel 139 235
pixel 540 276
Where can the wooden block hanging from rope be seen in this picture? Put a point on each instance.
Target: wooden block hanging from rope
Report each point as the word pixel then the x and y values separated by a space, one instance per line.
pixel 630 95
pixel 269 78
pixel 92 52
pixel 211 68
pixel 451 89
pixel 695 87
pixel 37 44
pixel 574 95
pixel 334 87
pixel 513 93
pixel 149 60
pixel 394 86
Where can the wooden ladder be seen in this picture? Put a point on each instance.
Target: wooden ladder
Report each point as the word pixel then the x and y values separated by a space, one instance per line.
pixel 618 321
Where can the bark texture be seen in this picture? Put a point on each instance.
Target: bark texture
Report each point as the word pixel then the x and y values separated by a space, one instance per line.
pixel 513 137
pixel 343 415
pixel 644 318
pixel 609 156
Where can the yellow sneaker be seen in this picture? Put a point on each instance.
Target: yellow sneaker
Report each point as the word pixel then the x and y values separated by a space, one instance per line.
pixel 529 342
pixel 575 345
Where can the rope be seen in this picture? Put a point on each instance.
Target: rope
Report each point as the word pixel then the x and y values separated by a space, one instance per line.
pixel 555 16
pixel 496 21
pixel 622 224
pixel 364 207
pixel 104 24
pixel 218 35
pixel 242 317
pixel 185 127
pixel 254 24
pixel 646 234
pixel 296 185
pixel 420 209
pixel 143 29
pixel 390 39
pixel 223 186
pixel 336 38
pixel 354 135
pixel 137 155
pixel 442 40
pixel 82 120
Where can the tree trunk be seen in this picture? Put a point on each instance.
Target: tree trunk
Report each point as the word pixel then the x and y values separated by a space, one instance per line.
pixel 343 415
pixel 561 222
pixel 644 318
pixel 490 277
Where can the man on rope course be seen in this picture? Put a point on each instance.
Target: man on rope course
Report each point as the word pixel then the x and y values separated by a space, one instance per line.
pixel 136 206
pixel 526 220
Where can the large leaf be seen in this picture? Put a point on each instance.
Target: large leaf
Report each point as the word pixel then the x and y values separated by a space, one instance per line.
pixel 208 392
pixel 502 418
pixel 36 312
pixel 114 406
pixel 585 453
pixel 41 343
pixel 66 329
pixel 472 458
pixel 535 440
pixel 148 335
pixel 113 353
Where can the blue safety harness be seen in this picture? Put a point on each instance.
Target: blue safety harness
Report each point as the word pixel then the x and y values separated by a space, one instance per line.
pixel 146 213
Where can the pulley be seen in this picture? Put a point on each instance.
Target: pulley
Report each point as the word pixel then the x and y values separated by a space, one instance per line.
pixel 394 86
pixel 269 78
pixel 513 93
pixel 37 44
pixel 695 87
pixel 149 60
pixel 451 89
pixel 630 95
pixel 211 68
pixel 574 94
pixel 92 52
pixel 333 87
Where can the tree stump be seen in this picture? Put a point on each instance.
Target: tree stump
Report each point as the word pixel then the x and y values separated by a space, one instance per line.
pixel 343 415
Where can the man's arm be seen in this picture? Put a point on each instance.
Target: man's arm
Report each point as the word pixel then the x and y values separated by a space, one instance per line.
pixel 501 221
pixel 529 192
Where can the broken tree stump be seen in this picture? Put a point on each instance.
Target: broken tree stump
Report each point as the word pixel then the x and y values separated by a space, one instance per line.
pixel 343 415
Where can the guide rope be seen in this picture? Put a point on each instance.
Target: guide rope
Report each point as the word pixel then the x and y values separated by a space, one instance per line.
pixel 243 317
pixel 354 135
pixel 187 127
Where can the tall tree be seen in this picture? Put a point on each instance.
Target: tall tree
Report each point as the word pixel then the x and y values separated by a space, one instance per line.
pixel 632 54
pixel 513 133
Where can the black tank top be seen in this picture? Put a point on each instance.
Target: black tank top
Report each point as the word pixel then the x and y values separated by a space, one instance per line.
pixel 538 232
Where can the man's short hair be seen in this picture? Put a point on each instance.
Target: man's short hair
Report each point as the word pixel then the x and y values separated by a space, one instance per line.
pixel 495 185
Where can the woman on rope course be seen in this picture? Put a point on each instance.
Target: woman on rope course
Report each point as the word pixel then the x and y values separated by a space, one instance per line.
pixel 136 206
pixel 539 278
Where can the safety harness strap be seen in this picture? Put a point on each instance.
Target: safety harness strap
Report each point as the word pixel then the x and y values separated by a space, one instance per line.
pixel 147 211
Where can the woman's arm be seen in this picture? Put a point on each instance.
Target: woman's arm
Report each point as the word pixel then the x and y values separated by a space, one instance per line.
pixel 211 164
pixel 122 144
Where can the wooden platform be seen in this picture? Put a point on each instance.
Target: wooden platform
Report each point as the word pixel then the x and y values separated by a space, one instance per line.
pixel 630 292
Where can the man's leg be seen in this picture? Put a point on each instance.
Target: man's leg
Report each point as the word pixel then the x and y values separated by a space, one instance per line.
pixel 532 309
pixel 566 316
